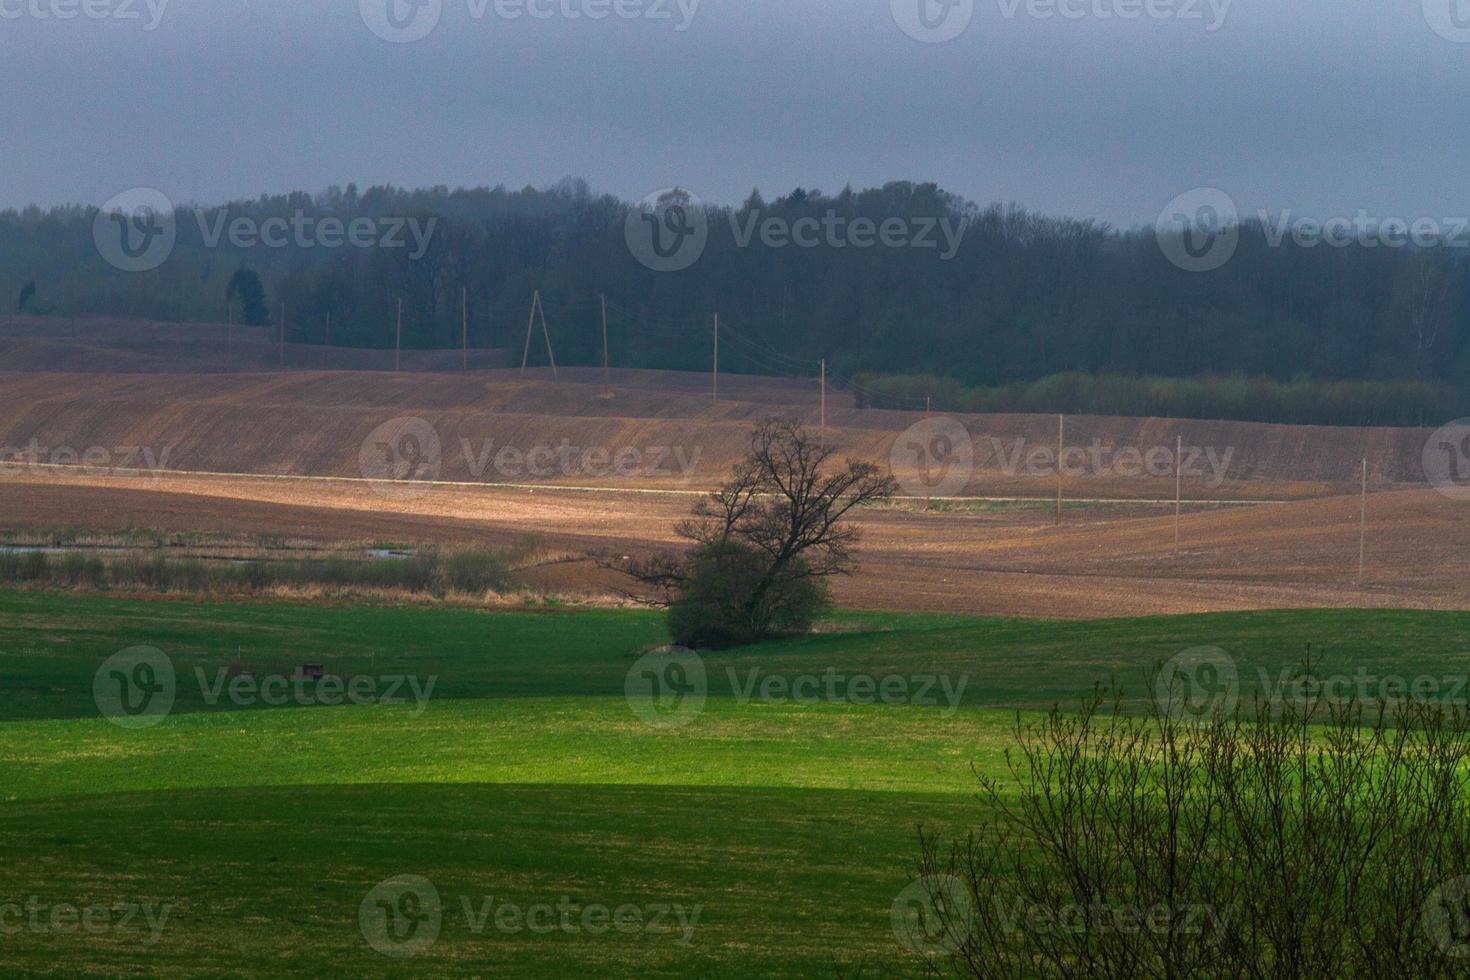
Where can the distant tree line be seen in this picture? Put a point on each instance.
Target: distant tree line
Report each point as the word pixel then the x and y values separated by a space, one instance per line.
pixel 1301 401
pixel 1046 313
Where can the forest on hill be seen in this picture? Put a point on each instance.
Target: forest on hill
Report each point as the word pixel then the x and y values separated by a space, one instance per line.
pixel 989 307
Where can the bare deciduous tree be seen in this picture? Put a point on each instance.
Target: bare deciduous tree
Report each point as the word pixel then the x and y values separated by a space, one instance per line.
pixel 775 529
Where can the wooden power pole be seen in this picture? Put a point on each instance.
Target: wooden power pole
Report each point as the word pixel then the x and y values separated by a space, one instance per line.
pixel 281 344
pixel 1061 452
pixel 1178 452
pixel 606 376
pixel 546 335
pixel 824 398
pixel 717 360
pixel 1363 524
pixel 536 306
pixel 464 314
pixel 530 325
pixel 398 340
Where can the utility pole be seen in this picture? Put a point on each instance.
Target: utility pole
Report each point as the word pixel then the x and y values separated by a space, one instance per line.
pixel 229 328
pixel 824 398
pixel 717 360
pixel 1363 524
pixel 464 308
pixel 1178 451
pixel 1061 451
pixel 606 377
pixel 398 340
pixel 281 346
pixel 328 337
pixel 536 306
pixel 546 334
pixel 530 325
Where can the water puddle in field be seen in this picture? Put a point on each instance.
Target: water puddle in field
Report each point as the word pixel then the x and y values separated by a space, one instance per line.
pixel 371 556
pixel 376 554
pixel 49 549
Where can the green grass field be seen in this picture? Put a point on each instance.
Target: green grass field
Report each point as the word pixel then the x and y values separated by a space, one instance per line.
pixel 768 836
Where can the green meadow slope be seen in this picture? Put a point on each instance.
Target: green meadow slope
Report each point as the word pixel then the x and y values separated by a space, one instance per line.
pixel 770 835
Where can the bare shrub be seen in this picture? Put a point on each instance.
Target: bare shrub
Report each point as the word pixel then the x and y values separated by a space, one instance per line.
pixel 1305 839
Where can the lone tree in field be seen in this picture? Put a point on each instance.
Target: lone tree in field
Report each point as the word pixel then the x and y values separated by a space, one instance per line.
pixel 765 543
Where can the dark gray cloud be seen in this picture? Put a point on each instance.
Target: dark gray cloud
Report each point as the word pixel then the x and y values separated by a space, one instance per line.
pixel 1322 107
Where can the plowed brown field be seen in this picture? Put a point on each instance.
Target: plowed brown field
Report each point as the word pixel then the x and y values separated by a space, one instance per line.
pixel 1100 562
pixel 284 453
pixel 317 423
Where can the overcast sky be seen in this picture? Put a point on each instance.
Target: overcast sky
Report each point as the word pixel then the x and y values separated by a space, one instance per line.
pixel 1318 106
